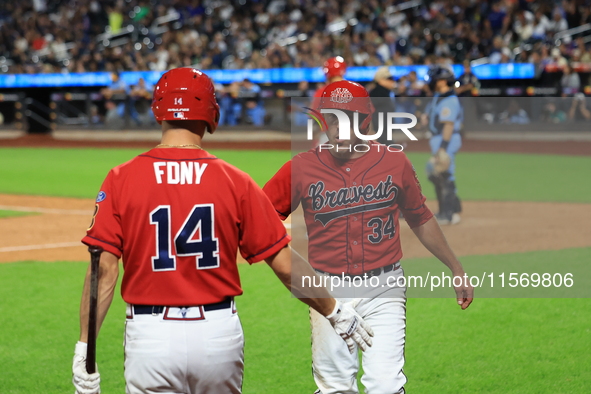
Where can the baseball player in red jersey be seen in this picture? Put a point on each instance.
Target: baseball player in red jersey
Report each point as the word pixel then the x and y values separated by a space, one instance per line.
pixel 352 192
pixel 334 70
pixel 177 217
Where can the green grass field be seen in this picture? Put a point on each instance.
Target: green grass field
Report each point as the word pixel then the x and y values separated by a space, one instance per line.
pixel 496 346
pixel 9 214
pixel 481 176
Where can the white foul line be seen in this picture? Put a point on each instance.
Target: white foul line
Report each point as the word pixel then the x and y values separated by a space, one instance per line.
pixel 46 210
pixel 42 246
pixel 57 245
pixel 62 211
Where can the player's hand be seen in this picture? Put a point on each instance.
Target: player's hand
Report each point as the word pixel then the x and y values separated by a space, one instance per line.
pixel 84 382
pixel 350 326
pixel 464 292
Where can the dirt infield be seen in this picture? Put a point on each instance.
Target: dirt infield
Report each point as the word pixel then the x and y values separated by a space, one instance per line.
pixel 54 233
pixel 572 148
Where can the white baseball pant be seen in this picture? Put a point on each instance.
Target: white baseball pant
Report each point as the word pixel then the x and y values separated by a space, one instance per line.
pixel 204 356
pixel 335 369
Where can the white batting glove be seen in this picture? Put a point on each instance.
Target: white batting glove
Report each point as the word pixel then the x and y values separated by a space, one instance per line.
pixel 84 382
pixel 350 326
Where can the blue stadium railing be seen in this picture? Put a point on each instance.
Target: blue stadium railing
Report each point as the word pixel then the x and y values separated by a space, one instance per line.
pixel 274 75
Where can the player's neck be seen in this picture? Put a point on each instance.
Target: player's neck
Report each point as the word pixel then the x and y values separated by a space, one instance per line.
pixel 176 137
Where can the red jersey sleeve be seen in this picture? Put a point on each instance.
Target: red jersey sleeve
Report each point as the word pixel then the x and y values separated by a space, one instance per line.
pixel 416 212
pixel 278 190
pixel 261 233
pixel 105 227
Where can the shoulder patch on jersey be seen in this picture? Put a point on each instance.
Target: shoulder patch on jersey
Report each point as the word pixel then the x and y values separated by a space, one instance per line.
pixel 96 209
pixel 101 196
pixel 445 112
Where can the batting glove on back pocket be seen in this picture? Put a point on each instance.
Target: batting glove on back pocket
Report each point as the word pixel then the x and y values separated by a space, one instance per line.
pixel 84 382
pixel 350 326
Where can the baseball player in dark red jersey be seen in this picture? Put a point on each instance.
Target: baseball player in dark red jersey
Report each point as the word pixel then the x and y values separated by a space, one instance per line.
pixel 177 217
pixel 351 192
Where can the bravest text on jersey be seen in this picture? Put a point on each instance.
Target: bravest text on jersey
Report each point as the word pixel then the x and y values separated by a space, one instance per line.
pixel 350 195
pixel 384 194
pixel 179 173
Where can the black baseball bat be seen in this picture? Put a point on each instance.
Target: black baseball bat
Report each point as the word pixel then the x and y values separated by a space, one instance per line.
pixel 95 257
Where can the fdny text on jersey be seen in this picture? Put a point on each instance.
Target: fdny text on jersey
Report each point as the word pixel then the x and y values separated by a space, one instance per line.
pixel 179 173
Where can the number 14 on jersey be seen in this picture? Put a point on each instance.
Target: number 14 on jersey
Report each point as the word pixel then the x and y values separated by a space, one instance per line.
pixel 205 249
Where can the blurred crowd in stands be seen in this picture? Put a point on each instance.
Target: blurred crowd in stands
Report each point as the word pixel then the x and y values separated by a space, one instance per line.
pixel 44 36
pixel 68 36
pixel 241 103
pixel 246 103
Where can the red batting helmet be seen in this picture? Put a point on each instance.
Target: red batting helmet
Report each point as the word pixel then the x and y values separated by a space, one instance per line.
pixel 334 67
pixel 186 94
pixel 348 96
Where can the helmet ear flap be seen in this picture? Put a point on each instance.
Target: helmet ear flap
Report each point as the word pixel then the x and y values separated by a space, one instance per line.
pixel 367 121
pixel 212 126
pixel 365 124
pixel 216 120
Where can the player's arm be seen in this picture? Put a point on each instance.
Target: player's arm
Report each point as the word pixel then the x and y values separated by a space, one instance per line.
pixel 433 239
pixel 296 273
pixel 441 156
pixel 108 275
pixel 263 237
pixel 278 190
pixel 291 272
pixel 105 231
pixel 420 219
pixel 448 130
pixel 447 116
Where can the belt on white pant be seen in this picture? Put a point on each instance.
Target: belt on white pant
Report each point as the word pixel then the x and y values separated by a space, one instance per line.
pixel 370 273
pixel 195 312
